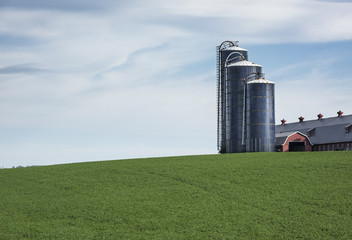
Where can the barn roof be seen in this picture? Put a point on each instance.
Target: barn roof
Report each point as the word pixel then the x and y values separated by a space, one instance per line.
pixel 331 134
pixel 328 130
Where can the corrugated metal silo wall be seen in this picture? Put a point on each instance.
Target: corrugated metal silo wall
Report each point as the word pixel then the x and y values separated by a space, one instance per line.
pixel 234 105
pixel 223 55
pixel 260 126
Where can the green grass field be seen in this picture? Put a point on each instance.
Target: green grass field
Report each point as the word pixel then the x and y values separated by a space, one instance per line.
pixel 231 196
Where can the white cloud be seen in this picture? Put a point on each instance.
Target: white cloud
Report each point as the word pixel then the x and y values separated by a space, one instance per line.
pixel 313 92
pixel 272 21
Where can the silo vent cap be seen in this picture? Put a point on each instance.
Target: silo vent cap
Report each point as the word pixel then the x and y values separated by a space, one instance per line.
pixel 339 113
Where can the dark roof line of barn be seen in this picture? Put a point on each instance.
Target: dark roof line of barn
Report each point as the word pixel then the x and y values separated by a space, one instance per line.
pixel 295 126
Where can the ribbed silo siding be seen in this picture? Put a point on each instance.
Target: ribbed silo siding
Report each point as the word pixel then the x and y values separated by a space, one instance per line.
pixel 234 105
pixel 260 115
pixel 223 56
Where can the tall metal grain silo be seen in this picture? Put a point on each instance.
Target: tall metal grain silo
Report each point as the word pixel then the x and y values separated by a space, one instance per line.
pixel 246 117
pixel 260 115
pixel 235 75
pixel 227 50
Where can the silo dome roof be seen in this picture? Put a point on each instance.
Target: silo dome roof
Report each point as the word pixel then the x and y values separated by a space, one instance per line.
pixel 234 48
pixel 260 80
pixel 244 63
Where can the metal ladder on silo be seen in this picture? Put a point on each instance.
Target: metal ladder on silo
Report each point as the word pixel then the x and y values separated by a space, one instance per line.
pixel 218 95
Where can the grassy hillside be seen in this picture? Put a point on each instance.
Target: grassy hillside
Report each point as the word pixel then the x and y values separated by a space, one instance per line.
pixel 232 196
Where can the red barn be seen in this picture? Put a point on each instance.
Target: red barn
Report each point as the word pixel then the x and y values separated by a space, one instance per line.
pixel 292 142
pixel 322 134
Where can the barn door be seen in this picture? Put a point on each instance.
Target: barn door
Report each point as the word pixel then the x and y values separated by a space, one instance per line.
pixel 297 146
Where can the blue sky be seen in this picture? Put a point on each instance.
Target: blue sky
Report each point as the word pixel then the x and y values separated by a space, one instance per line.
pixel 96 80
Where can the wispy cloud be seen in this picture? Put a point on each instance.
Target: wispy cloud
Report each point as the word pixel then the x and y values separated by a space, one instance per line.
pixel 21 69
pixel 312 92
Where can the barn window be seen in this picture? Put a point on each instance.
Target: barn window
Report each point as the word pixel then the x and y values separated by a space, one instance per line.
pixel 348 128
pixel 311 132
